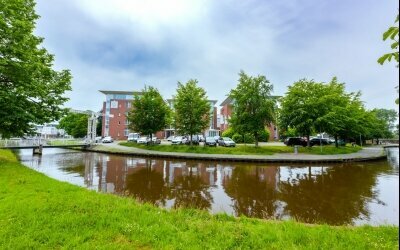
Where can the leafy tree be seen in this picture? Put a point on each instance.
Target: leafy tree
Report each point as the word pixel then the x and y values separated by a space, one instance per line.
pixel 341 113
pixel 192 109
pixel 381 124
pixel 149 112
pixel 300 107
pixel 393 34
pixel 75 124
pixel 253 107
pixel 31 92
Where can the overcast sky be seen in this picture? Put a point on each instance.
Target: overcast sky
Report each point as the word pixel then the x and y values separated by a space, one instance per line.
pixel 125 45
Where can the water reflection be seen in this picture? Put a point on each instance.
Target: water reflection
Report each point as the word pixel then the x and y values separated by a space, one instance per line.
pixel 335 194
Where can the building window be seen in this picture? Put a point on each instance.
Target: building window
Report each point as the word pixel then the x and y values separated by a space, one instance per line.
pixel 126 132
pixel 119 114
pixel 114 104
pixel 119 123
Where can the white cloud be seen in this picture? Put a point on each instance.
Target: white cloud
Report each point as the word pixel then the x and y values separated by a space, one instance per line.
pixel 123 45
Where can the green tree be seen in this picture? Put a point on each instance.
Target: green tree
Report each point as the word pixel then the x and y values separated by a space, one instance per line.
pixel 253 107
pixel 300 107
pixel 393 34
pixel 149 112
pixel 340 113
pixel 74 124
pixel 31 92
pixel 192 109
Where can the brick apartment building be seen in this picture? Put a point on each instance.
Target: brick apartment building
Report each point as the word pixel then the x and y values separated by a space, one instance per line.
pixel 115 111
pixel 226 113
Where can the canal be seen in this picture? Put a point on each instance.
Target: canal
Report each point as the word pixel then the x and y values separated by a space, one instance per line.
pixel 336 194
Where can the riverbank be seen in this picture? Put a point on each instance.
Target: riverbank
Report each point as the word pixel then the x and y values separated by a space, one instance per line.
pixel 361 154
pixel 39 212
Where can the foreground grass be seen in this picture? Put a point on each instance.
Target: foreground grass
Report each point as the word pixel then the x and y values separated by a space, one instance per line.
pixel 39 212
pixel 245 150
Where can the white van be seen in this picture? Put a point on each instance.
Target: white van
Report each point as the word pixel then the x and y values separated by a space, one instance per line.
pixel 133 137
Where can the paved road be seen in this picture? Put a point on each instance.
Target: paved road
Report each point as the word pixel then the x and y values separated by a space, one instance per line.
pixel 366 154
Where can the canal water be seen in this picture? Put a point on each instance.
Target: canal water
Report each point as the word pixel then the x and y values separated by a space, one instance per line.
pixel 336 194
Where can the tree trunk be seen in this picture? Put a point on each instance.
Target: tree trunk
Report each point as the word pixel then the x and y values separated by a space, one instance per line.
pixel 308 140
pixel 191 137
pixel 336 142
pixel 151 138
pixel 256 139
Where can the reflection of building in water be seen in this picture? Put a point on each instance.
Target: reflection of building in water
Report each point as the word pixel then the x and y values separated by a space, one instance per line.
pixel 113 171
pixel 269 175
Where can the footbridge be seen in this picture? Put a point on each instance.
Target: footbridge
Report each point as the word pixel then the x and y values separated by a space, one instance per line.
pixel 37 145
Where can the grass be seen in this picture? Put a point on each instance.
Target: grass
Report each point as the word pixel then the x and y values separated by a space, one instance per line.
pixel 39 212
pixel 245 150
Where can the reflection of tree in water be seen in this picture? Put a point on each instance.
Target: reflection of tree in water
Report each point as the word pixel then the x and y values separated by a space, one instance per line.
pixel 252 195
pixel 147 185
pixel 191 191
pixel 337 196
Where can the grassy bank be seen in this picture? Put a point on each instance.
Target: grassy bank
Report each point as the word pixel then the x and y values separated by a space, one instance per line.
pixel 39 212
pixel 245 150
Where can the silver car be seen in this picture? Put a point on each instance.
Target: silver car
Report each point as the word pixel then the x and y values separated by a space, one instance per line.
pixel 177 140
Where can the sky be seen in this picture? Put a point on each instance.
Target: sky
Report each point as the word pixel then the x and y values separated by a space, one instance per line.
pixel 125 45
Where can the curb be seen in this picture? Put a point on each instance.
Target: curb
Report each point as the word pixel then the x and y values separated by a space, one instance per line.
pixel 238 158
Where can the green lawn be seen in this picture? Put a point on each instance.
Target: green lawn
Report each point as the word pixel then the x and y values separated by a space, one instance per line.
pixel 245 150
pixel 39 212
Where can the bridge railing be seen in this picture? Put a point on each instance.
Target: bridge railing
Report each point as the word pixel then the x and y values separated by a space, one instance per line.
pixel 22 142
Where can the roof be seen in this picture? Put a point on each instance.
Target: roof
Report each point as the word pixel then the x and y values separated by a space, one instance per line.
pixel 118 92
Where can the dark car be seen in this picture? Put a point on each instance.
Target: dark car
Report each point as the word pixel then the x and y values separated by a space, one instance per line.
pixel 319 141
pixel 292 141
pixel 210 141
pixel 195 140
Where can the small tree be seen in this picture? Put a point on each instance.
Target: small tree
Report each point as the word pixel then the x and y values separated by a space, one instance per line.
pixel 74 124
pixel 300 107
pixel 192 109
pixel 253 106
pixel 149 112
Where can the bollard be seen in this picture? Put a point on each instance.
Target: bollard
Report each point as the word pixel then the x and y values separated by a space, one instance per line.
pixel 296 149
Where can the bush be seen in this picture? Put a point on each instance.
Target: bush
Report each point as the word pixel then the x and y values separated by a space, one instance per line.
pixel 228 133
pixel 248 138
pixel 264 136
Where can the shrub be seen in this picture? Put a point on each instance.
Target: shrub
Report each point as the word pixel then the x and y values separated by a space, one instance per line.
pixel 264 136
pixel 248 138
pixel 228 133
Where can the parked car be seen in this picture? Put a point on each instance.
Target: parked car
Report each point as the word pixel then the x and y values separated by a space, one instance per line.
pixel 98 139
pixel 133 137
pixel 217 138
pixel 226 142
pixel 170 138
pixel 340 142
pixel 292 141
pixel 107 139
pixel 195 140
pixel 319 141
pixel 210 141
pixel 142 140
pixel 201 138
pixel 155 140
pixel 177 140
